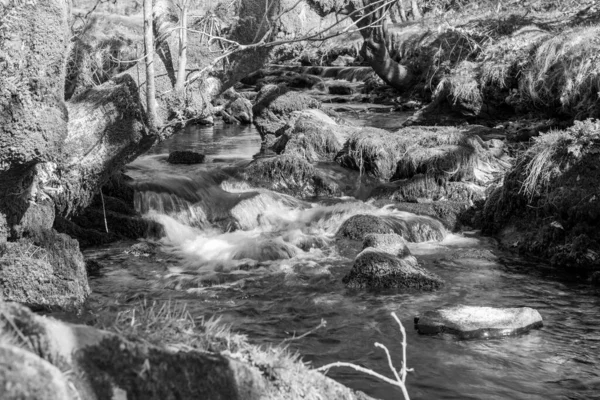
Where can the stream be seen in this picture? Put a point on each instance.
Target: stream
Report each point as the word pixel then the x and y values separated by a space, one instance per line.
pixel 280 274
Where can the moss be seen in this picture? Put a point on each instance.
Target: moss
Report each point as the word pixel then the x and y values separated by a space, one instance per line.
pixel 410 227
pixel 274 104
pixel 441 153
pixel 550 198
pixel 289 174
pixel 376 269
pixel 309 134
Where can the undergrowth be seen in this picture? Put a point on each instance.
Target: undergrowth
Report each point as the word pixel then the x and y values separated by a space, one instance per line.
pixel 554 153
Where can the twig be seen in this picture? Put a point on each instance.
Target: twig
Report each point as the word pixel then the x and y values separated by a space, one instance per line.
pixel 104 210
pixel 322 324
pixel 400 378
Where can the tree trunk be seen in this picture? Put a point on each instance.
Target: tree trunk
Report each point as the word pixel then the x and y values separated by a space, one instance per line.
pixel 415 10
pixel 402 10
pixel 375 47
pixel 149 52
pixel 180 84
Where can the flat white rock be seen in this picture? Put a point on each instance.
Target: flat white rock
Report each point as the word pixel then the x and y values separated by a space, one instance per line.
pixel 479 322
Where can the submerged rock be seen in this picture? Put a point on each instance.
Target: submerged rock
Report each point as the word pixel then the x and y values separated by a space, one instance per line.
pixel 185 157
pixel 411 227
pixel 267 250
pixel 378 269
pixel 472 322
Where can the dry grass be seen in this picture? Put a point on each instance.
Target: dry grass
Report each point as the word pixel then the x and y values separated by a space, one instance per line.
pixel 171 325
pixel 565 73
pixel 504 59
pixel 554 153
pixel 445 153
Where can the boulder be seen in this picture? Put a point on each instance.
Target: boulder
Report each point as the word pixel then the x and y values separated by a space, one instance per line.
pixel 185 157
pixel 105 365
pixel 411 227
pixel 422 188
pixel 267 250
pixel 310 134
pixel 378 269
pixel 44 272
pixel 439 154
pixel 238 110
pixel 273 107
pixel 289 174
pixel 358 226
pixel 24 375
pixel 473 322
pixel 390 243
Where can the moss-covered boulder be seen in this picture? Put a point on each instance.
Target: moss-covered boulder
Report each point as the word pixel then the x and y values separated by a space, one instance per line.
pixel 104 363
pixel 411 227
pixel 378 269
pixel 46 271
pixel 549 205
pixel 289 174
pixel 310 134
pixel 238 111
pixel 273 106
pixel 424 189
pixel 442 153
pixel 390 243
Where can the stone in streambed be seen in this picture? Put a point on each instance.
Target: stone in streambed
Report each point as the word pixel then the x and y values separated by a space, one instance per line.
pixel 472 322
pixel 389 243
pixel 378 269
pixel 411 227
pixel 268 250
pixel 185 157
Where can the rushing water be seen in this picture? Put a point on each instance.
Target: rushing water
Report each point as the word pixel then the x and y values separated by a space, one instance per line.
pixel 281 274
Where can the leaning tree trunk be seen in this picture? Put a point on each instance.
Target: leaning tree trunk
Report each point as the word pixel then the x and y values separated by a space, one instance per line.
pixel 402 10
pixel 375 46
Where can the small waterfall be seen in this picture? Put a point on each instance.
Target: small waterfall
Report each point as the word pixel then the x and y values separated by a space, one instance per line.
pixel 181 210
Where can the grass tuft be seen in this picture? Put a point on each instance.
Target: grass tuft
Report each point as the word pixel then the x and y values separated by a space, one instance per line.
pixel 555 152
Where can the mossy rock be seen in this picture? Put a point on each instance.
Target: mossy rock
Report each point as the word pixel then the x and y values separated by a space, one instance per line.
pixel 390 243
pixel 310 134
pixel 290 175
pixel 273 107
pixel 549 203
pixel 411 227
pixel 378 269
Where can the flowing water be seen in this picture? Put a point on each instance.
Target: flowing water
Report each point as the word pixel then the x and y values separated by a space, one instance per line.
pixel 280 274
